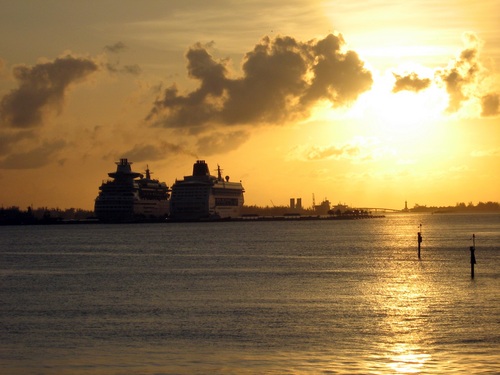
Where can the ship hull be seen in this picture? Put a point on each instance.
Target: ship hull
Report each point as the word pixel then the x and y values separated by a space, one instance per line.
pixel 129 197
pixel 121 211
pixel 202 197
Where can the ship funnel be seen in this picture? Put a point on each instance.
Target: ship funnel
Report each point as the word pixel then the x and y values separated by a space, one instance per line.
pixel 123 166
pixel 200 168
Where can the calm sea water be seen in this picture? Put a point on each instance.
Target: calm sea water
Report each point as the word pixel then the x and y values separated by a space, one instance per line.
pixel 255 297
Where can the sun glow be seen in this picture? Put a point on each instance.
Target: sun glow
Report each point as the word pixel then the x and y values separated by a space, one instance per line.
pixel 403 113
pixel 403 116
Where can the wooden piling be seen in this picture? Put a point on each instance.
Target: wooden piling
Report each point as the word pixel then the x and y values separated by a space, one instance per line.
pixel 419 239
pixel 472 256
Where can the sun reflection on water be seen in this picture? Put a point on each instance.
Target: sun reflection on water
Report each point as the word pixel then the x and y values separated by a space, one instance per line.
pixel 402 299
pixel 407 359
pixel 406 318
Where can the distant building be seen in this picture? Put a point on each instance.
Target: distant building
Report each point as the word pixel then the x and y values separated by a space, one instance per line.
pixel 340 208
pixel 323 207
pixel 296 204
pixel 406 207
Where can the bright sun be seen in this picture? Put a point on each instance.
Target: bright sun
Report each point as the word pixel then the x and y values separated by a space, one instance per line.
pixel 401 114
pixel 403 126
pixel 397 117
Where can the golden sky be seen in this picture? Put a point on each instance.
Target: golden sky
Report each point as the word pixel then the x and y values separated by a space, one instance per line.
pixel 368 103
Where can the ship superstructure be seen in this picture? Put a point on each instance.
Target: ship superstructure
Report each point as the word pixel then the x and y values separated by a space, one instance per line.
pixel 131 196
pixel 202 196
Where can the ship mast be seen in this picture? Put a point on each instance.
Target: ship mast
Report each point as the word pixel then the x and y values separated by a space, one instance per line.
pixel 219 173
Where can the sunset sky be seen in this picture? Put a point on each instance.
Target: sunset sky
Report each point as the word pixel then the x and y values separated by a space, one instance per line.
pixel 368 103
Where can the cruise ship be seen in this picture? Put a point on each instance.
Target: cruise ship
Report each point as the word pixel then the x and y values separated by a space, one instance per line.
pixel 205 197
pixel 131 196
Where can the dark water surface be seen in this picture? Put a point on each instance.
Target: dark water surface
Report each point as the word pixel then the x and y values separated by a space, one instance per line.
pixel 254 297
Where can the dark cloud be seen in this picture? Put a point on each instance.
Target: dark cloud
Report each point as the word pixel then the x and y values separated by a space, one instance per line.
pixel 132 69
pixel 454 83
pixel 41 90
pixel 410 82
pixel 282 78
pixel 35 158
pixel 115 66
pixel 490 105
pixel 116 48
pixel 2 67
pixel 462 72
pixel 9 139
pixel 128 69
pixel 221 142
pixel 151 152
pixel 336 76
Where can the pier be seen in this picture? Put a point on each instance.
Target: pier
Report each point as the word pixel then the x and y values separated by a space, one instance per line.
pixel 380 209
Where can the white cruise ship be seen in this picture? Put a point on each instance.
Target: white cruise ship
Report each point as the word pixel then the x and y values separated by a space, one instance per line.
pixel 205 197
pixel 131 197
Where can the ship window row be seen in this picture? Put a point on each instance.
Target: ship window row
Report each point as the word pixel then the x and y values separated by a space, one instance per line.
pixel 201 189
pixel 153 190
pixel 188 205
pixel 235 193
pixel 154 196
pixel 226 201
pixel 116 210
pixel 204 193
pixel 186 210
pixel 193 198
pixel 189 195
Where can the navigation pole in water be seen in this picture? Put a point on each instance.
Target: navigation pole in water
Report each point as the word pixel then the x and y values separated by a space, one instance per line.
pixel 472 256
pixel 419 239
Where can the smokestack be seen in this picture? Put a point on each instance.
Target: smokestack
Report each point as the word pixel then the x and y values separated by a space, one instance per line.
pixel 200 168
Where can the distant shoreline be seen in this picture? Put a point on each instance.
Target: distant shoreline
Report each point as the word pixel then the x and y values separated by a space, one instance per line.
pixel 46 216
pixel 167 221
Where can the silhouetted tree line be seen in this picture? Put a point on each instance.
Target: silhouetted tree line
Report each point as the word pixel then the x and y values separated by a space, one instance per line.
pixel 16 216
pixel 459 207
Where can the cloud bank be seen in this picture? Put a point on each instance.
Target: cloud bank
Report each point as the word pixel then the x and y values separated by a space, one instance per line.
pixel 410 82
pixel 161 150
pixel 490 104
pixel 41 89
pixel 464 78
pixel 34 158
pixel 462 72
pixel 115 48
pixel 358 150
pixel 282 79
pixel 221 142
